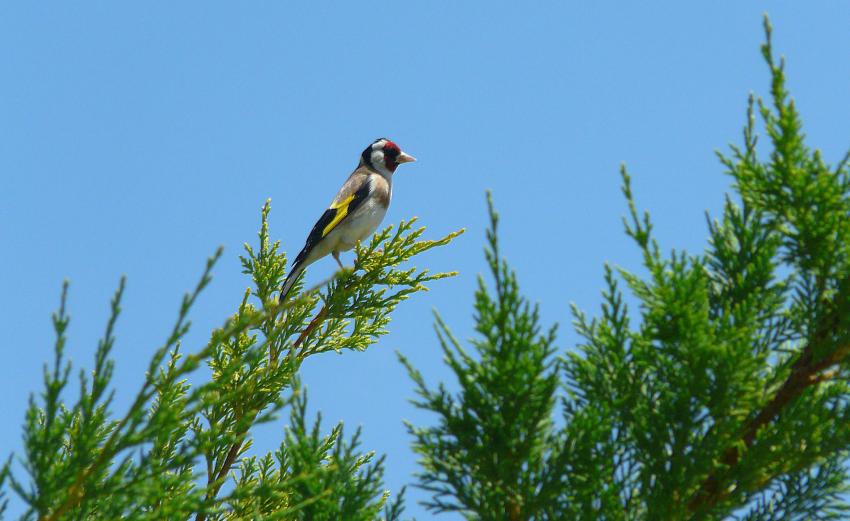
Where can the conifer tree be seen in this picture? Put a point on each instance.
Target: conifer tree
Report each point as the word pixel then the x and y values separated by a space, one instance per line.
pixel 721 394
pixel 181 451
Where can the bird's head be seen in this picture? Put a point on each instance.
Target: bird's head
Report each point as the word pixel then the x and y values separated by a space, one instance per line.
pixel 384 156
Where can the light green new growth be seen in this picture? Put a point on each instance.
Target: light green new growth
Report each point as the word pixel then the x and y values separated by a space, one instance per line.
pixel 181 450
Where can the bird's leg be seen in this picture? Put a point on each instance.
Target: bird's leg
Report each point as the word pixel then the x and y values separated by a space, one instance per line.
pixel 336 258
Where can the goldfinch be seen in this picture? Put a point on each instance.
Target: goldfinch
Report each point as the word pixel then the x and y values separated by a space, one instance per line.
pixel 356 211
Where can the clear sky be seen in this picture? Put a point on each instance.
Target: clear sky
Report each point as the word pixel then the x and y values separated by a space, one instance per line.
pixel 135 139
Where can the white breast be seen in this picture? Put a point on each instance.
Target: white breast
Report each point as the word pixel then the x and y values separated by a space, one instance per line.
pixel 362 223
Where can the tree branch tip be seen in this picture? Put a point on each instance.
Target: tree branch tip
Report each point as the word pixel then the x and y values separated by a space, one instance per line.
pixel 768 27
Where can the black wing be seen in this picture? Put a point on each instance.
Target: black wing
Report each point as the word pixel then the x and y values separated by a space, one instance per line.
pixel 333 217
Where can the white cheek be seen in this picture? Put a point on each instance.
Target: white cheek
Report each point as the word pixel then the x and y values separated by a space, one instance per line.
pixel 378 158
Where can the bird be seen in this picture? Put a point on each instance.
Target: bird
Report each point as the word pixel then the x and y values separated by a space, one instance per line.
pixel 355 212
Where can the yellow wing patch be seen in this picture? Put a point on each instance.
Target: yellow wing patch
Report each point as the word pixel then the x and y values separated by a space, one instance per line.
pixel 341 208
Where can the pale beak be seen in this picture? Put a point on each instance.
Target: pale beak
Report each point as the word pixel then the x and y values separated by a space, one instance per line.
pixel 404 158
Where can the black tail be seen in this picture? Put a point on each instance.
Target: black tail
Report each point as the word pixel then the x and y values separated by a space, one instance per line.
pixel 300 261
pixel 297 268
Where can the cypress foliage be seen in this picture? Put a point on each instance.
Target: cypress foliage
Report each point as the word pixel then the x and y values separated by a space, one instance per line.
pixel 181 451
pixel 495 445
pixel 722 394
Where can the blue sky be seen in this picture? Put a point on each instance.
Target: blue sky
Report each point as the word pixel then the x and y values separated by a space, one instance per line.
pixel 135 139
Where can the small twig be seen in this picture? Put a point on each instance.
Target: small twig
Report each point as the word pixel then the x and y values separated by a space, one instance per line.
pixel 222 473
pixel 804 374
pixel 233 452
pixel 318 319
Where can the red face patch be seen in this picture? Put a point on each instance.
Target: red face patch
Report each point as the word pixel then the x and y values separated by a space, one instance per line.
pixel 391 152
pixel 389 145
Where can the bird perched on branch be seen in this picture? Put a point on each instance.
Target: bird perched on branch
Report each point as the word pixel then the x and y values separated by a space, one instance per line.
pixel 356 211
